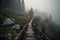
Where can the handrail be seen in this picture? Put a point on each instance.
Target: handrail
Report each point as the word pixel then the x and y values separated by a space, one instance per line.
pixel 35 28
pixel 16 38
pixel 20 33
pixel 45 36
pixel 43 33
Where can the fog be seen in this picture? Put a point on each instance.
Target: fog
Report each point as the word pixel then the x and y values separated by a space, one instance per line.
pixel 49 6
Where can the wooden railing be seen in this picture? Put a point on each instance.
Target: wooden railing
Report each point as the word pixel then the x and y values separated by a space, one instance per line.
pixel 20 34
pixel 38 34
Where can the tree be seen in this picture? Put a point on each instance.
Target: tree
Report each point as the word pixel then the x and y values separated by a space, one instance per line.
pixel 31 13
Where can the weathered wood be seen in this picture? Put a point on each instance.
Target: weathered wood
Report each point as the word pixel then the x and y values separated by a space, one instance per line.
pixel 19 36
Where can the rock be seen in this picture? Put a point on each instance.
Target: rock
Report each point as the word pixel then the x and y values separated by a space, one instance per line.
pixel 16 26
pixel 7 21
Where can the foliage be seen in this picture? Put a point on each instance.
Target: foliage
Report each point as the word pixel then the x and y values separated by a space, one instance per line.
pixel 20 18
pixel 49 28
pixel 31 13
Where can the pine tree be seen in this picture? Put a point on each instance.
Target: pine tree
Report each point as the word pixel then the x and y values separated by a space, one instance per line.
pixel 22 6
pixel 31 13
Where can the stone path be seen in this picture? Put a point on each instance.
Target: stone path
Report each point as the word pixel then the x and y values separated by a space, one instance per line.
pixel 30 32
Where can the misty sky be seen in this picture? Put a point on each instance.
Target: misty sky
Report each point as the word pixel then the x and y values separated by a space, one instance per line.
pixel 49 6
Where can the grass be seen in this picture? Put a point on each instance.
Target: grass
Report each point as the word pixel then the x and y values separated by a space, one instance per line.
pixel 19 19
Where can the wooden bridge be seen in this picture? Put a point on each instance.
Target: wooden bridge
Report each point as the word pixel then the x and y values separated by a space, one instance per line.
pixel 29 33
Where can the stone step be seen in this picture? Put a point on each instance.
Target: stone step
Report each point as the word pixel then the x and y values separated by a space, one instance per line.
pixel 30 38
pixel 29 32
pixel 30 29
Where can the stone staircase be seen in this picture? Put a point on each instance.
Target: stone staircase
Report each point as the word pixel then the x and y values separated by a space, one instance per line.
pixel 30 34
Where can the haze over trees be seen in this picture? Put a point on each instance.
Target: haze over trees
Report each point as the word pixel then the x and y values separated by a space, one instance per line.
pixel 14 10
pixel 51 29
